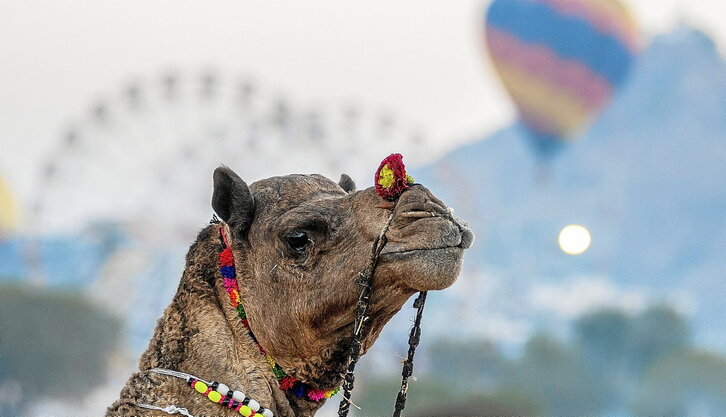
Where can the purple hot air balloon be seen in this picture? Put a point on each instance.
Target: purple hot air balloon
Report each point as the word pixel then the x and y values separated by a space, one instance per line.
pixel 561 61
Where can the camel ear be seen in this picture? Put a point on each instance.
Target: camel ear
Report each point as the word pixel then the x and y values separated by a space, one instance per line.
pixel 232 200
pixel 346 183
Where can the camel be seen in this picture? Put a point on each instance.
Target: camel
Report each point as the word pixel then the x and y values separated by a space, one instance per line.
pixel 298 244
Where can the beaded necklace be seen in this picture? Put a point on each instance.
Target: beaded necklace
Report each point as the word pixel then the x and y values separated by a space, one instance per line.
pixel 216 392
pixel 284 381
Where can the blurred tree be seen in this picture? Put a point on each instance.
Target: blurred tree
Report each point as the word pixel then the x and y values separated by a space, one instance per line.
pixel 615 343
pixel 52 344
pixel 378 394
pixel 688 383
pixel 498 404
pixel 656 333
pixel 616 363
pixel 603 336
pixel 473 365
pixel 557 377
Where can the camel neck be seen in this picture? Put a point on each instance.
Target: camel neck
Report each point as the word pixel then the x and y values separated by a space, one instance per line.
pixel 292 386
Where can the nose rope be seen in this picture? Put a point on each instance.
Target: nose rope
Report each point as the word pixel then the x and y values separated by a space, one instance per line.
pixel 413 338
pixel 365 279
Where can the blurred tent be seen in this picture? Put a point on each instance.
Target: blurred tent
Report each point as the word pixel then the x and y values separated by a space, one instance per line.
pixel 561 61
pixel 8 208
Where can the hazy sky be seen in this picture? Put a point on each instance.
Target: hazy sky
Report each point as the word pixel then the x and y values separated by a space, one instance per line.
pixel 423 58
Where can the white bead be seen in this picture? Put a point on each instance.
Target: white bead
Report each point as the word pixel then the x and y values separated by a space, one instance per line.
pixel 254 405
pixel 222 389
pixel 238 396
pixel 267 413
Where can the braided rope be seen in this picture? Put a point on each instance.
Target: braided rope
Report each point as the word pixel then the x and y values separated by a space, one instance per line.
pixel 413 339
pixel 365 279
pixel 169 409
pixel 176 374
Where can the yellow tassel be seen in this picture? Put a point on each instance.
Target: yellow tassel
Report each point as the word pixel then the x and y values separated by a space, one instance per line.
pixel 386 177
pixel 270 360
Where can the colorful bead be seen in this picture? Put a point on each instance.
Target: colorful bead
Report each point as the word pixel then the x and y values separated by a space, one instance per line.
pixel 214 396
pixel 245 411
pixel 267 413
pixel 222 389
pixel 254 405
pixel 238 396
pixel 201 387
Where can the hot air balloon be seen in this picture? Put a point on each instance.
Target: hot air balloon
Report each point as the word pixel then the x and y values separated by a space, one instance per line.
pixel 561 61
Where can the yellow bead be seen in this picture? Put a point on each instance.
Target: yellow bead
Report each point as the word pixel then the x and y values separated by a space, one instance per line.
pixel 201 387
pixel 214 396
pixel 245 411
pixel 328 394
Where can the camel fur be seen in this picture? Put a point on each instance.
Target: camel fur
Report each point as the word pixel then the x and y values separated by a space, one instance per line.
pixel 299 292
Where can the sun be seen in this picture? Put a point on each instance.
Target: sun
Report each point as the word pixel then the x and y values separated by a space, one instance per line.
pixel 574 239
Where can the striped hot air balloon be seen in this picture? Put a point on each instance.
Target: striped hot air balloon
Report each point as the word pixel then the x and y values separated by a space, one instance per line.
pixel 561 61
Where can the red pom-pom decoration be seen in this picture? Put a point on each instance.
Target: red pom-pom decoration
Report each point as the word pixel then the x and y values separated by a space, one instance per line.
pixel 391 177
pixel 226 258
pixel 287 382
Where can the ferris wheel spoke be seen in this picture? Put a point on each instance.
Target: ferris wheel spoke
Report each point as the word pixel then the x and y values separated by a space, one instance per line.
pixel 144 153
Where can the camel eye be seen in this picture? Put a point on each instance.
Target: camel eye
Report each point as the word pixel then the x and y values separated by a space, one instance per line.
pixel 297 241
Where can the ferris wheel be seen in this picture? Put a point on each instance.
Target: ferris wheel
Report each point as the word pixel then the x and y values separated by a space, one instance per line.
pixel 144 153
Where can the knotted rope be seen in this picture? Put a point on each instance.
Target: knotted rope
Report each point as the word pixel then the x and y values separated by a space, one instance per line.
pixel 413 338
pixel 365 279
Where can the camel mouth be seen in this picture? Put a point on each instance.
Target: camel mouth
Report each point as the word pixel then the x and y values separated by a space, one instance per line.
pixel 441 232
pixel 403 253
pixel 425 269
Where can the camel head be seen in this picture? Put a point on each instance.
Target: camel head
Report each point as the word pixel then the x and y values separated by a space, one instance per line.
pixel 300 242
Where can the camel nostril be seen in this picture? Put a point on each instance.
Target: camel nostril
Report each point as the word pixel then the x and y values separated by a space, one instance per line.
pixel 417 209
